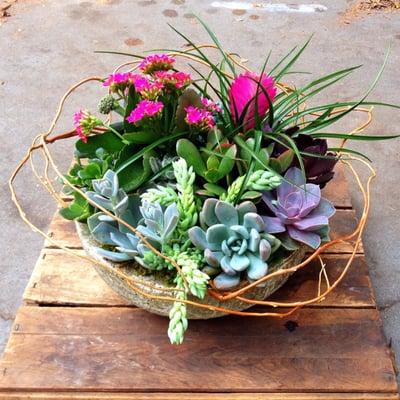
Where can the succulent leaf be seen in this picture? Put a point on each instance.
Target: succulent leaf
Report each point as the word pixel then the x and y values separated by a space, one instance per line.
pixel 299 210
pixel 233 240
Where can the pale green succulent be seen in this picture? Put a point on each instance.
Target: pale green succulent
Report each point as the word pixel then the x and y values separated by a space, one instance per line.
pixel 234 241
pixel 107 193
pixel 150 220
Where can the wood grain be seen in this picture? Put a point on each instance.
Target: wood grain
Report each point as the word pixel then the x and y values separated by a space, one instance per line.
pixel 63 279
pixel 121 349
pixel 196 396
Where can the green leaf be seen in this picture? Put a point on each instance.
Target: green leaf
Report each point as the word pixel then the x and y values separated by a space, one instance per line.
pixel 218 44
pixel 286 68
pixel 187 150
pixel 79 209
pixel 136 174
pixel 90 171
pixel 212 188
pixel 251 195
pixel 212 175
pixel 213 162
pixel 141 137
pixel 285 159
pixel 353 137
pixel 149 147
pixel 263 155
pixel 275 165
pixel 108 141
pixel 227 162
pixel 346 150
pixel 133 99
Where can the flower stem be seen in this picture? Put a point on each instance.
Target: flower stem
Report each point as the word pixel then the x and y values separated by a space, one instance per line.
pixel 118 134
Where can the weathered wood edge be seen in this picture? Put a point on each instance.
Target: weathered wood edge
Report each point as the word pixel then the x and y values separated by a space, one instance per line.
pixel 196 396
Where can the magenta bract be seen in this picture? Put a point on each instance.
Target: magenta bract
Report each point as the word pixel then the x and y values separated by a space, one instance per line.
pixel 249 88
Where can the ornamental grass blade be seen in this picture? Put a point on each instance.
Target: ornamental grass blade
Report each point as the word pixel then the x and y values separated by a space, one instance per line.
pixel 218 44
pixel 292 60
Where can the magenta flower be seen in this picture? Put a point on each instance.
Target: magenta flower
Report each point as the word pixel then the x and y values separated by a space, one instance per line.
pixel 120 80
pixel 199 118
pixel 147 89
pixel 210 105
pixel 86 123
pixel 145 109
pixel 244 90
pixel 173 80
pixel 156 62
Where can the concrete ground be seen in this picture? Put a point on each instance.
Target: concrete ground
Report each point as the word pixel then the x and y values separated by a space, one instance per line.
pixel 46 46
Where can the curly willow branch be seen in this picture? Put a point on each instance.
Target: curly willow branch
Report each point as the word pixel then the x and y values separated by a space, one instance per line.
pixel 41 142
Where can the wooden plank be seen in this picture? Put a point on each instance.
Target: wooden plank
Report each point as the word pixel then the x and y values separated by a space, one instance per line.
pixel 342 223
pixel 196 396
pixel 120 349
pixel 354 291
pixel 63 279
pixel 63 232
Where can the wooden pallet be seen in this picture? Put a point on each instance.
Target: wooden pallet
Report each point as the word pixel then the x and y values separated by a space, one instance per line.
pixel 74 338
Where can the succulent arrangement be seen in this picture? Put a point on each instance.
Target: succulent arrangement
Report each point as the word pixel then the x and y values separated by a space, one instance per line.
pixel 218 181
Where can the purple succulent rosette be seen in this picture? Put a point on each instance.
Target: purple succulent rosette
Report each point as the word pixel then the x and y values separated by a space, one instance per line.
pixel 301 214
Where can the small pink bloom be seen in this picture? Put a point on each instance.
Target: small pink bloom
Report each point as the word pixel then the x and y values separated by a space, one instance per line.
pixel 120 80
pixel 173 80
pixel 210 105
pixel 199 118
pixel 156 62
pixel 145 109
pixel 149 90
pixel 243 90
pixel 86 123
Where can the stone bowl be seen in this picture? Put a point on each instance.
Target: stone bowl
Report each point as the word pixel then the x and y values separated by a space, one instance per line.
pixel 160 307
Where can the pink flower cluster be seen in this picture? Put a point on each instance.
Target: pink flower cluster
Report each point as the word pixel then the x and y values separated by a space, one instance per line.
pixel 120 80
pixel 86 123
pixel 173 80
pixel 147 89
pixel 156 62
pixel 145 109
pixel 210 105
pixel 199 118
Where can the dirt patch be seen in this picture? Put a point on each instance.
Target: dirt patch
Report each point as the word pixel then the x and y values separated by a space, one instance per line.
pixel 133 41
pixel 361 8
pixel 170 13
pixel 5 9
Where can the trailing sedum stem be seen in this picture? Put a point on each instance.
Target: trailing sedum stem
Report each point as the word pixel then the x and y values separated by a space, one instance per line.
pixel 186 202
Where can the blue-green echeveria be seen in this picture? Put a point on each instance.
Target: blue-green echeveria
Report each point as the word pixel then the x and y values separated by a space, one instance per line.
pixel 234 242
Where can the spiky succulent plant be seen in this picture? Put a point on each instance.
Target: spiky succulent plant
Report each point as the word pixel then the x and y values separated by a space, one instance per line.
pixel 300 212
pixel 233 241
